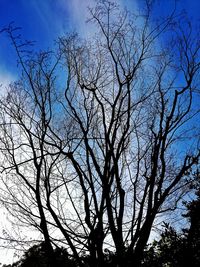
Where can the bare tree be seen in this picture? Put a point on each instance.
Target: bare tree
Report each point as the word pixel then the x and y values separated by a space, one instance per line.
pixel 92 159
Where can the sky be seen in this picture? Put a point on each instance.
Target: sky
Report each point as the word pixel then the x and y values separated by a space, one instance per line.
pixel 44 20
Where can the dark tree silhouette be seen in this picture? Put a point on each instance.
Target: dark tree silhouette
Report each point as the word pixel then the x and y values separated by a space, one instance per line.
pixel 169 250
pixel 91 135
pixel 36 257
pixel 178 248
pixel 193 233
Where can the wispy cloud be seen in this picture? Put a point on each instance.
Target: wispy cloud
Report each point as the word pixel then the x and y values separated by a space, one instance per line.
pixel 78 13
pixel 5 79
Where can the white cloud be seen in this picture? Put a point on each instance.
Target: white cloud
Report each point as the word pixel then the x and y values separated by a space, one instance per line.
pixel 78 13
pixel 5 79
pixel 7 255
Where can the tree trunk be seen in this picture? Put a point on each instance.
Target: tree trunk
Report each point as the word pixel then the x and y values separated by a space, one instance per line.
pixel 135 259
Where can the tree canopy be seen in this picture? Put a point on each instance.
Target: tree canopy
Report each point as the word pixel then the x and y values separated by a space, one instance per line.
pixel 95 137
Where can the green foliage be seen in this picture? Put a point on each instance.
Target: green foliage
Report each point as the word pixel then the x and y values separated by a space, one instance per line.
pixel 36 257
pixel 193 233
pixel 167 251
pixel 175 249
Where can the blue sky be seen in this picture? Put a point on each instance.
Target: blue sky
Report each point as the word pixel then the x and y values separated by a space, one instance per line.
pixel 44 20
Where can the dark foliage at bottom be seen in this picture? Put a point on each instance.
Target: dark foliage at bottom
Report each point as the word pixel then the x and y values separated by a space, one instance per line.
pixel 172 250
